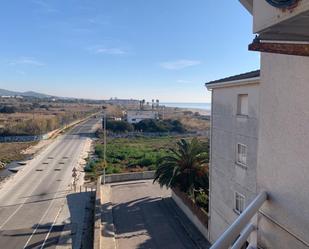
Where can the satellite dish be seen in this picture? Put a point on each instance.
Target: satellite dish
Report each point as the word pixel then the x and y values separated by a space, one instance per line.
pixel 282 3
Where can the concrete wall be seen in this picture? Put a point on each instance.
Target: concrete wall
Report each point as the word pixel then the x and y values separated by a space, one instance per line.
pixel 283 157
pixel 191 216
pixel 264 15
pixel 97 217
pixel 10 139
pixel 226 176
pixel 129 177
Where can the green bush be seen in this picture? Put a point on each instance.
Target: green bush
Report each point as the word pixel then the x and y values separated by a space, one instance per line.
pixel 150 125
pixel 119 126
pixel 201 199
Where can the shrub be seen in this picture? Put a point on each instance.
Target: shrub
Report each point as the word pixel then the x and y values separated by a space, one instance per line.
pixel 150 125
pixel 8 109
pixel 201 199
pixel 119 126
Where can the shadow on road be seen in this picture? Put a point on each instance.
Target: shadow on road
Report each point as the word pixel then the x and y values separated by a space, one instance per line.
pixel 78 226
pixel 150 223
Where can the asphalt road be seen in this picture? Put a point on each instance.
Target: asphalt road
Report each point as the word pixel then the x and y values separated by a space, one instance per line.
pixel 31 203
pixel 145 217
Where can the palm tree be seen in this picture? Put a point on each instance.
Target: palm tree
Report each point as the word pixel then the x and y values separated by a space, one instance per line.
pixel 186 167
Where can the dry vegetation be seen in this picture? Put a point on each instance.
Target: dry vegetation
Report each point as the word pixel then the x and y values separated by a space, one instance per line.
pixel 34 116
pixel 194 120
pixel 13 151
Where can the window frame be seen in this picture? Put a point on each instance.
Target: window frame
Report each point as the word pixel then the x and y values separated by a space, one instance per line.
pixel 237 211
pixel 237 155
pixel 239 109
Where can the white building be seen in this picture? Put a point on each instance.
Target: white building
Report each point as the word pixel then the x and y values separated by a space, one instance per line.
pixel 280 213
pixel 234 140
pixel 135 116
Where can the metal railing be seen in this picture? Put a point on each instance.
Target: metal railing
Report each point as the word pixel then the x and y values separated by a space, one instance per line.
pixel 237 234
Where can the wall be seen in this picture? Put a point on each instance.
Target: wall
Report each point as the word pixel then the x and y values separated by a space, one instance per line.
pixel 264 15
pixel 283 156
pixel 190 214
pixel 10 139
pixel 129 177
pixel 226 176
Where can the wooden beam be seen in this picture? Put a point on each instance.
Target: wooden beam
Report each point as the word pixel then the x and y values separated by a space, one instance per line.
pixel 280 48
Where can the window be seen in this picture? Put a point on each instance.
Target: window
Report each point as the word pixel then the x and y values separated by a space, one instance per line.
pixel 242 104
pixel 241 154
pixel 239 205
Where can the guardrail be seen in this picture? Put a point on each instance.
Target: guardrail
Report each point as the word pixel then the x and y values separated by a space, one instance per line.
pixel 237 234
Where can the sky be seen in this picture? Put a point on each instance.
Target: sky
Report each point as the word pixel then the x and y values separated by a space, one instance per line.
pixel 154 49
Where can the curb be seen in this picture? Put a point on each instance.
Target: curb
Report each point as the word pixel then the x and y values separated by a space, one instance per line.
pixel 108 230
pixel 97 217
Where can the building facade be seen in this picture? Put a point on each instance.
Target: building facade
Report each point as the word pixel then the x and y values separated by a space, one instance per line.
pixel 135 116
pixel 282 170
pixel 234 140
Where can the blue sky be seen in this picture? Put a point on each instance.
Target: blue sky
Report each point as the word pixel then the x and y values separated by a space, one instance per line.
pixel 163 49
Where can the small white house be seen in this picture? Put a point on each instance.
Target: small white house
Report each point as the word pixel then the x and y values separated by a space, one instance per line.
pixel 136 116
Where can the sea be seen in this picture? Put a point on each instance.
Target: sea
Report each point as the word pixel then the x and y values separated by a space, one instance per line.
pixel 204 106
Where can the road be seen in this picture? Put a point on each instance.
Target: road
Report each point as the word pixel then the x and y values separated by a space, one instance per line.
pixel 31 203
pixel 145 217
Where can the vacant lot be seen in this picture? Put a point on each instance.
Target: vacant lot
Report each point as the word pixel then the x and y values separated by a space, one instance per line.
pixel 13 151
pixel 132 154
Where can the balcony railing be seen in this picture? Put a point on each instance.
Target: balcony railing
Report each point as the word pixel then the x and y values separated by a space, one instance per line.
pixel 238 233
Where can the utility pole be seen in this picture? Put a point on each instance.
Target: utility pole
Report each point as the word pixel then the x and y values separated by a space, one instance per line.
pixel 104 151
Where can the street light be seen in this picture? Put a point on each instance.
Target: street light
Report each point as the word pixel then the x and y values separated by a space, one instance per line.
pixel 104 151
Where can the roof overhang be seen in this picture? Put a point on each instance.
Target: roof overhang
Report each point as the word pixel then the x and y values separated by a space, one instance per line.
pixel 255 80
pixel 248 4
pixel 293 29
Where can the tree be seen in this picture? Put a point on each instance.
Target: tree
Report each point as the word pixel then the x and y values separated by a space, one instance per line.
pixel 186 167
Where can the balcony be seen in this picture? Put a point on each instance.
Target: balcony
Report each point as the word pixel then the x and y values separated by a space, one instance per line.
pixel 238 233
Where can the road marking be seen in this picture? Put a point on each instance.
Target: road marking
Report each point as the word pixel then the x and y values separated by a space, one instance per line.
pixel 38 159
pixel 29 239
pixel 37 226
pixel 6 221
pixel 21 205
pixel 51 228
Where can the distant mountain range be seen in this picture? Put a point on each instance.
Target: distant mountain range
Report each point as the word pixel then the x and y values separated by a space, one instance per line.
pixel 4 92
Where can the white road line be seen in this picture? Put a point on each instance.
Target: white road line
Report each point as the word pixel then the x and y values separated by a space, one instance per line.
pixel 21 205
pixel 37 226
pixel 50 229
pixel 29 239
pixel 6 221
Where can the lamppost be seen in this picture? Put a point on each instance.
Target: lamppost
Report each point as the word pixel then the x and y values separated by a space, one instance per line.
pixel 104 150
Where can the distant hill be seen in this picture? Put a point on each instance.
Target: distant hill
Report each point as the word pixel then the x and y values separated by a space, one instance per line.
pixel 4 92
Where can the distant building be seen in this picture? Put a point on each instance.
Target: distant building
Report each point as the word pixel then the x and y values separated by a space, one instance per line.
pixel 234 141
pixel 135 116
pixel 123 102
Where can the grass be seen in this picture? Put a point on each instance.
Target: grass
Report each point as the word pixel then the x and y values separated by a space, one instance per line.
pixel 131 154
pixel 12 151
